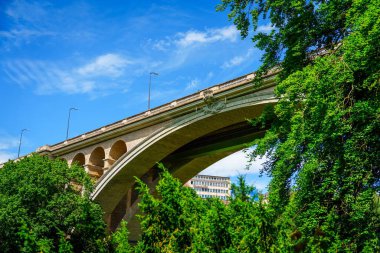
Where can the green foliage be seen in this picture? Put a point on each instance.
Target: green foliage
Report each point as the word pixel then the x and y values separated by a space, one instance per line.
pixel 300 27
pixel 323 145
pixel 120 239
pixel 177 220
pixel 43 210
pixel 167 222
pixel 242 191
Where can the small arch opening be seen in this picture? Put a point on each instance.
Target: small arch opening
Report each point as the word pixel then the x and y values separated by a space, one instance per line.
pixel 79 159
pixel 96 165
pixel 117 150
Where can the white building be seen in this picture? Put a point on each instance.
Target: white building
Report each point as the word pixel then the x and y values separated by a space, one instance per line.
pixel 211 186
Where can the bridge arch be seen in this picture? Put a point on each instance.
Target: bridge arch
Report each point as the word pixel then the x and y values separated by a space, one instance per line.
pixel 79 159
pixel 187 145
pixel 187 134
pixel 96 162
pixel 118 149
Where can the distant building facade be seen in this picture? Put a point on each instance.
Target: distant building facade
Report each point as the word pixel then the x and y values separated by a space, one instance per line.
pixel 211 186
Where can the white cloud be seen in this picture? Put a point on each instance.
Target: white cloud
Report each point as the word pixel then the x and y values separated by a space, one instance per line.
pixel 111 65
pixel 24 33
pixel 209 36
pixel 265 28
pixel 225 33
pixel 31 21
pixel 194 37
pixel 28 23
pixel 261 185
pixel 5 156
pixel 44 77
pixel 196 83
pixel 192 46
pixel 234 165
pixel 192 84
pixel 22 10
pixel 95 78
pixel 237 60
pixel 6 144
pixel 162 45
pixel 260 182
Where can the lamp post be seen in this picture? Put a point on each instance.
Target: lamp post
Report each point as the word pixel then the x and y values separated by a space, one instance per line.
pixel 19 145
pixel 150 81
pixel 68 121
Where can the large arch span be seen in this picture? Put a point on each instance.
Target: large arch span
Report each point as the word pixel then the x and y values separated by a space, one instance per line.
pixel 186 146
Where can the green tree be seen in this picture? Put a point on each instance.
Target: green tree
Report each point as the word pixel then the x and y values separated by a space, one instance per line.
pixel 177 220
pixel 45 207
pixel 212 230
pixel 120 239
pixel 250 221
pixel 168 219
pixel 323 145
pixel 242 191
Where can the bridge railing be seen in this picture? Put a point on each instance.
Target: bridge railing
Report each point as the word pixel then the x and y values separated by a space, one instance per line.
pixel 157 110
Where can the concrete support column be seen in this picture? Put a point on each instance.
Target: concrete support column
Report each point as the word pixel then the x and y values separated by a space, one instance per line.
pixel 107 218
pixel 118 214
pixel 86 168
pixel 129 198
pixel 148 178
pixel 93 170
pixel 108 163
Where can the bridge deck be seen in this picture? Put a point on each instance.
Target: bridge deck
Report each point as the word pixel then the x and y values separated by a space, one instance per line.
pixel 198 96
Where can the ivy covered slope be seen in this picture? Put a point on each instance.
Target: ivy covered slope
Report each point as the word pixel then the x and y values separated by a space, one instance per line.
pixel 45 207
pixel 324 142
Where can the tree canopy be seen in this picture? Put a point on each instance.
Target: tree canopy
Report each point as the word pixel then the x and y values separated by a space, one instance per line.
pixel 45 207
pixel 176 219
pixel 323 145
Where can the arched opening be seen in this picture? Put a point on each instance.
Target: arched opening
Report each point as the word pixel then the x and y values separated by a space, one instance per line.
pixel 79 159
pixel 211 181
pixel 96 165
pixel 186 147
pixel 192 164
pixel 117 150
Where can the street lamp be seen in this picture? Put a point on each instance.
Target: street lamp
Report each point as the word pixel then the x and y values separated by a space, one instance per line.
pixel 68 121
pixel 19 145
pixel 150 81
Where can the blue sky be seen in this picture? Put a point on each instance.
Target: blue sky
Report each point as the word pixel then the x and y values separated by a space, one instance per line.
pixel 97 55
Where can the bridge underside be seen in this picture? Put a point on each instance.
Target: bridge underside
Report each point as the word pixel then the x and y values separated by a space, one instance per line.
pixel 186 146
pixel 217 144
pixel 192 158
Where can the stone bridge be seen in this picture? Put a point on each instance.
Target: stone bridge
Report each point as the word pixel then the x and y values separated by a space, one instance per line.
pixel 187 134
